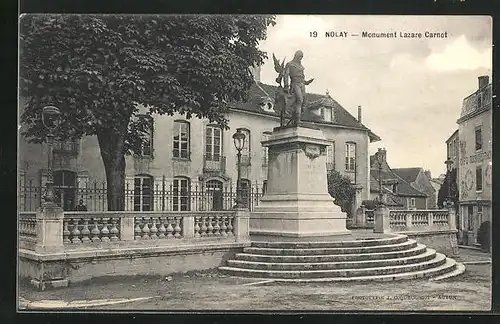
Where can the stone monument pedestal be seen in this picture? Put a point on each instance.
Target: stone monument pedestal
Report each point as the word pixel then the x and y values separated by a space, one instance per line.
pixel 297 203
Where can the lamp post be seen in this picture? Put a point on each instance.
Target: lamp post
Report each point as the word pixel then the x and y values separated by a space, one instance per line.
pixel 50 119
pixel 380 161
pixel 239 143
pixel 449 165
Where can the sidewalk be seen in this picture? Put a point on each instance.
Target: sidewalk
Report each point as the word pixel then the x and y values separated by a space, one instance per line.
pixel 212 290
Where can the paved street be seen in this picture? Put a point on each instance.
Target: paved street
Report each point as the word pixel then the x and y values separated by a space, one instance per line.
pixel 214 291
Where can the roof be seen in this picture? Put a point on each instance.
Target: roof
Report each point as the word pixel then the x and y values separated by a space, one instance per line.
pixel 408 174
pixel 259 92
pixel 404 188
pixel 455 133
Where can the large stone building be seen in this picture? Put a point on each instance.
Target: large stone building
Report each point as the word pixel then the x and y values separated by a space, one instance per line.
pixel 183 157
pixel 473 151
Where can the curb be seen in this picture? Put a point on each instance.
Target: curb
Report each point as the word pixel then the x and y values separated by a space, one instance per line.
pixel 476 262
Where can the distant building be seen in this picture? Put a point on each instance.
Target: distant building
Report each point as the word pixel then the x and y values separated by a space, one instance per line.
pixel 397 192
pixel 420 180
pixel 474 161
pixel 436 183
pixel 183 157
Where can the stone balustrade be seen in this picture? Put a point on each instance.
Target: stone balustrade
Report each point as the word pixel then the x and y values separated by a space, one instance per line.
pixel 414 220
pixel 27 229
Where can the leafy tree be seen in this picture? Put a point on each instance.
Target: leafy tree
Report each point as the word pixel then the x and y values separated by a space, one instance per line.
pixel 445 192
pixel 97 68
pixel 484 235
pixel 341 189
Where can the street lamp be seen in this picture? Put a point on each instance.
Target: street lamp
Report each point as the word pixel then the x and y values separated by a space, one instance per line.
pixel 50 119
pixel 449 165
pixel 380 161
pixel 239 143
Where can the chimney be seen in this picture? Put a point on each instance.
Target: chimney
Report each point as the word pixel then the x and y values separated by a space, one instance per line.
pixel 359 114
pixel 483 81
pixel 428 174
pixel 256 73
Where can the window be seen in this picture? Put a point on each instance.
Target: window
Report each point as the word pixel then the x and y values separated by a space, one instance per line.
pixel 265 150
pixel 245 152
pixel 470 218
pixel 181 139
pixel 411 203
pixel 395 188
pixel 326 114
pixel 143 193
pixel 181 194
pixel 479 178
pixel 479 139
pixel 146 148
pixel 350 157
pixel 330 156
pixel 213 143
pixel 64 189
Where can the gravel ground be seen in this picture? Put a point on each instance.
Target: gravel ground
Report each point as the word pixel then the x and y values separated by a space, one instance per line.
pixel 215 291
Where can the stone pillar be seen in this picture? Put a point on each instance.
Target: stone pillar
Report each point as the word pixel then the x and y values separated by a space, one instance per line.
pixel 49 230
pixel 409 221
pixel 360 216
pixel 382 220
pixel 452 218
pixel 297 202
pixel 430 220
pixel 188 227
pixel 127 226
pixel 242 224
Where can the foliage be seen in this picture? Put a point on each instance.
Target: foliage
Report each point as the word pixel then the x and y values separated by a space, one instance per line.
pixel 444 190
pixel 484 235
pixel 97 68
pixel 341 189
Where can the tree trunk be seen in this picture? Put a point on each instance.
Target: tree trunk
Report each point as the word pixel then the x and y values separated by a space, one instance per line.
pixel 112 146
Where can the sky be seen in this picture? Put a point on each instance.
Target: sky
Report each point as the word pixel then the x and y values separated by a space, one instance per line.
pixel 410 89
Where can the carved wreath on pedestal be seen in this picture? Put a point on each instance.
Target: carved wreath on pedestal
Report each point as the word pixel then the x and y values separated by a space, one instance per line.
pixel 313 151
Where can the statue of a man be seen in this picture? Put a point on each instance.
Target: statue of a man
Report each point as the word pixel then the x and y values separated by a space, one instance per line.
pixel 295 71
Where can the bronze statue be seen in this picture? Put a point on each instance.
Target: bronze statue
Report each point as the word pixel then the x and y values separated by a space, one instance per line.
pixel 294 91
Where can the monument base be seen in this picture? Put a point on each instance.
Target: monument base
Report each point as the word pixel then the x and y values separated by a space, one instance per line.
pixel 297 203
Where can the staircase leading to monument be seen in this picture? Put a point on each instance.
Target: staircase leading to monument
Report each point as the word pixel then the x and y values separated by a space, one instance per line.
pixel 392 257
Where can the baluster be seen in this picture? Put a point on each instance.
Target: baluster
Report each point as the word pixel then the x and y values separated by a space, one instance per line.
pixel 162 228
pixel 75 232
pixel 137 229
pixel 223 226
pixel 154 229
pixel 203 226
pixel 114 230
pixel 170 229
pixel 197 228
pixel 177 228
pixel 145 229
pixel 210 228
pixel 105 230
pixel 216 226
pixel 230 226
pixel 85 231
pixel 95 231
pixel 66 232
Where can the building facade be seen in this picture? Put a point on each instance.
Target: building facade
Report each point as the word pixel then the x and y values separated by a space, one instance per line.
pixel 420 180
pixel 474 161
pixel 397 193
pixel 191 164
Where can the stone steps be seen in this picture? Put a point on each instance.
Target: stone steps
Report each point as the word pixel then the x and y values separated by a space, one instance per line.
pixel 365 242
pixel 426 256
pixel 328 250
pixel 419 249
pixel 368 259
pixel 351 272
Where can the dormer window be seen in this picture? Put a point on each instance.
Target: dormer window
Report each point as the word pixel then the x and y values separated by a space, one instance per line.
pixel 326 114
pixel 395 188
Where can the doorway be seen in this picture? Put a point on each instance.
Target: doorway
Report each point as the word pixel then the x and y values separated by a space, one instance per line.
pixel 65 189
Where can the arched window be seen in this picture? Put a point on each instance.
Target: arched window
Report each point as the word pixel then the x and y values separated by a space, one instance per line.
pixel 181 139
pixel 246 151
pixel 143 192
pixel 65 186
pixel 214 189
pixel 181 191
pixel 265 151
